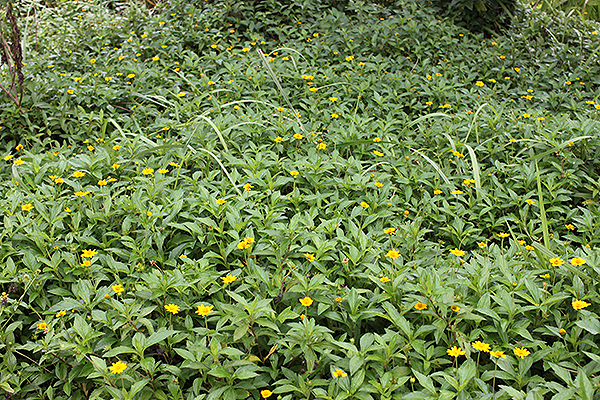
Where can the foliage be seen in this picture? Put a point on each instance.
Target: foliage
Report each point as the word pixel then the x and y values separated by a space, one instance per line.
pixel 479 16
pixel 378 204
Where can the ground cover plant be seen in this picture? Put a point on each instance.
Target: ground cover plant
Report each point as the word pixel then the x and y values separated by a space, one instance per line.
pixel 227 200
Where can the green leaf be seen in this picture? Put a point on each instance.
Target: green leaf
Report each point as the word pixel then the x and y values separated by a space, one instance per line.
pixel 287 314
pixel 425 381
pixel 592 325
pixel 157 337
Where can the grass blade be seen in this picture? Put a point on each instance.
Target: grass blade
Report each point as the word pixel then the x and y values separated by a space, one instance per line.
pixel 220 164
pixel 283 94
pixel 216 129
pixel 433 164
pixel 557 148
pixel 473 123
pixel 476 171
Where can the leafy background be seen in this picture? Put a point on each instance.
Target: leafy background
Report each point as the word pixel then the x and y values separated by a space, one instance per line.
pixel 159 150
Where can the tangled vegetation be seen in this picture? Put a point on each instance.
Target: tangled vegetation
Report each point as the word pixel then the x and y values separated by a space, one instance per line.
pixel 228 200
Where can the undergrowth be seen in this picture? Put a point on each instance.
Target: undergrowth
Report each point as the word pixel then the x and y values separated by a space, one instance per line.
pixel 224 200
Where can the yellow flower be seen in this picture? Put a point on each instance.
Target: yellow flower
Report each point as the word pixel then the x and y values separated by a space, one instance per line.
pixel 393 254
pixel 306 302
pixel 172 308
pixel 497 354
pixel 482 244
pixel 93 60
pixel 204 310
pixel 116 166
pixel 421 306
pixel 265 394
pixel 334 115
pixel 321 146
pixel 378 153
pixel 529 201
pixel 297 136
pixel 556 262
pixel 455 308
pixel 456 192
pixel 228 278
pixel 278 139
pixel 102 182
pixel 339 373
pixel 313 89
pixel 385 279
pixel 457 252
pixel 310 257
pixel 455 351
pixel 530 248
pixel 18 162
pixel 163 171
pixel 118 367
pixel 570 227
pixel 8 157
pixel 390 231
pixel 377 139
pixel 503 235
pixel 88 253
pixel 562 331
pixel 81 194
pixel 118 288
pixel 174 164
pixel 479 83
pixel 68 209
pixel 364 204
pixel 61 313
pixel 243 245
pixel 148 213
pixel 333 99
pixel 248 187
pixel 221 201
pixel 41 326
pixel 78 174
pixel 147 171
pixel 155 58
pixel 521 352
pixel 481 346
pixel 59 180
pixel 578 261
pixel 86 263
pixel 545 276
pixel 338 299
pixel 513 140
pixel 26 207
pixel 437 191
pixel 294 173
pixel 579 304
